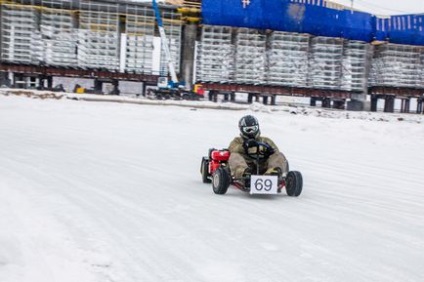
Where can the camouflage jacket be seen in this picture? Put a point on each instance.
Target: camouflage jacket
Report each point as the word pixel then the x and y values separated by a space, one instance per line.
pixel 236 146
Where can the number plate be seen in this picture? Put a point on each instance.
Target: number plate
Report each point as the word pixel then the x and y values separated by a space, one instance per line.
pixel 263 184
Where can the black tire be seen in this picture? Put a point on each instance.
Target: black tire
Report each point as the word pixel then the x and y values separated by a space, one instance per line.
pixel 220 181
pixel 294 183
pixel 204 170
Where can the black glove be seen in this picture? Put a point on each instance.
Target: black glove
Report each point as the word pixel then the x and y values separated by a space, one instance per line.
pixel 268 150
pixel 249 143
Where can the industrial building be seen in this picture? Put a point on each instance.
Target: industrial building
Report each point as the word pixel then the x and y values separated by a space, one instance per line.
pixel 264 48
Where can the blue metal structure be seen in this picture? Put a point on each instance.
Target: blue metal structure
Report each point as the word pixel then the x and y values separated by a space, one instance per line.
pixel 311 16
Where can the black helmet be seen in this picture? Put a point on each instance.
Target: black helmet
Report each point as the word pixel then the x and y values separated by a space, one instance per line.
pixel 249 127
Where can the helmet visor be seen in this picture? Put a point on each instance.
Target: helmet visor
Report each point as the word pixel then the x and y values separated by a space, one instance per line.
pixel 250 129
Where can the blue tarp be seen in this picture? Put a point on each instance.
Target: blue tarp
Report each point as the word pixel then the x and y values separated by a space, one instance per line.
pixel 406 29
pixel 310 16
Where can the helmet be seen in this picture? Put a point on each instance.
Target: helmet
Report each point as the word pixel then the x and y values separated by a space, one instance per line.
pixel 249 127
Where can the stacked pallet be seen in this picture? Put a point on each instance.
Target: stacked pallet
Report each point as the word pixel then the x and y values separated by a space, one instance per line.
pixel 422 68
pixel 215 57
pixel 99 38
pixel 396 66
pixel 287 62
pixel 354 72
pixel 250 56
pixel 58 29
pixel 325 64
pixel 18 26
pixel 139 39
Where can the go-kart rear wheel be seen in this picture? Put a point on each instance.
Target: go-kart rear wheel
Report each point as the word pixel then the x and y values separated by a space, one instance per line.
pixel 204 170
pixel 294 183
pixel 220 181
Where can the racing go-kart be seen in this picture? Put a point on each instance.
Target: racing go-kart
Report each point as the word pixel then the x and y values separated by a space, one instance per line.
pixel 214 168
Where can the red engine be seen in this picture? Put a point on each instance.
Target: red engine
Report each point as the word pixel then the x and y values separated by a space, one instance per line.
pixel 216 158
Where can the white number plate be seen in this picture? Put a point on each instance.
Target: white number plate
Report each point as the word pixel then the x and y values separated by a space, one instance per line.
pixel 263 184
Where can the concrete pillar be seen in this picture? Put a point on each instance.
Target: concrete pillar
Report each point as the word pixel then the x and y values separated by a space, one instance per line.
pixel 50 82
pixel 405 104
pixel 143 90
pixel 256 97
pixel 250 98
pixel 339 105
pixel 374 101
pixel 187 53
pixel 115 90
pixel 420 105
pixel 98 86
pixel 326 103
pixel 389 104
pixel 313 102
pixel 265 100
pixel 213 95
pixel 273 100
pixel 233 97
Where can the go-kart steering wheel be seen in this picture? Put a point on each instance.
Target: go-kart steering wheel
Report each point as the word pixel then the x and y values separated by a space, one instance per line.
pixel 259 154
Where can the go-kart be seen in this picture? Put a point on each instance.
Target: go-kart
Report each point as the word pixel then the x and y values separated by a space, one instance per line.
pixel 214 168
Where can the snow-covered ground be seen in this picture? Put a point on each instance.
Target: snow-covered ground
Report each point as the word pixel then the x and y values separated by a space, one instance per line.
pixel 98 191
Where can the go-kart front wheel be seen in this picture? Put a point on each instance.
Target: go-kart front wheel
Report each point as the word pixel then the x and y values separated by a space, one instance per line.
pixel 294 183
pixel 220 181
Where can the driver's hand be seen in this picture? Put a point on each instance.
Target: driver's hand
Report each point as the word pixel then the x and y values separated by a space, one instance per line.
pixel 268 149
pixel 250 143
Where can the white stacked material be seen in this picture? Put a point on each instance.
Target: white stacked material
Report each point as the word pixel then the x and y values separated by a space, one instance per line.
pixel 250 56
pixel 139 28
pixel 396 66
pixel 287 62
pixel 325 64
pixel 18 25
pixel 99 39
pixel 173 28
pixel 422 68
pixel 58 27
pixel 37 48
pixel 355 59
pixel 60 53
pixel 215 58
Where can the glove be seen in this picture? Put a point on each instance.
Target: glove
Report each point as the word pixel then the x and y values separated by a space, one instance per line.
pixel 249 143
pixel 269 150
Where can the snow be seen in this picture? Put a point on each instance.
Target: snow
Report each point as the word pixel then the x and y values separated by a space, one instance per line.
pixel 96 191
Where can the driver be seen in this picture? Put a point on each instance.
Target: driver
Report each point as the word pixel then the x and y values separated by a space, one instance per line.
pixel 251 148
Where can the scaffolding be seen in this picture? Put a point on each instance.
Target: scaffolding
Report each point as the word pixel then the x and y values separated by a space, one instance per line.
pixel 250 56
pixel 287 59
pixel 355 60
pixel 397 65
pixel 138 38
pixel 99 35
pixel 20 36
pixel 325 63
pixel 215 57
pixel 59 33
pixel 172 25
